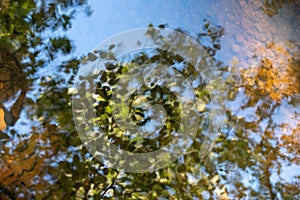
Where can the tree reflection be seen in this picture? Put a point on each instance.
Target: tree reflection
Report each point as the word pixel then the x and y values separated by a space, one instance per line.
pixel 50 162
pixel 26 44
pixel 261 138
pixel 25 47
pixel 271 8
pixel 276 76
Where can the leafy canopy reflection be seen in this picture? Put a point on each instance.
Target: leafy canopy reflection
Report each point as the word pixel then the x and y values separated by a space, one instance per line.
pixel 50 162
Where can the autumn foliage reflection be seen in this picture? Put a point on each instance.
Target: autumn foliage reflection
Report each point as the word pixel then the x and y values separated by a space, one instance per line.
pixel 276 76
pixel 258 142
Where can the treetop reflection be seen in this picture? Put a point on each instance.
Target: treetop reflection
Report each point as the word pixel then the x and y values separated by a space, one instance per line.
pixel 255 150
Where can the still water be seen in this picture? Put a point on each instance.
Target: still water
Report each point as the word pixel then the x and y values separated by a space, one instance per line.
pixel 240 110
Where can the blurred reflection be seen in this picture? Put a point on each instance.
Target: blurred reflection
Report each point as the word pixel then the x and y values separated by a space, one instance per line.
pixel 256 155
pixel 271 7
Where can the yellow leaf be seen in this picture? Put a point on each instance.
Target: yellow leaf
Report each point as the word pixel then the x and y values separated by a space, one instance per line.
pixel 2 121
